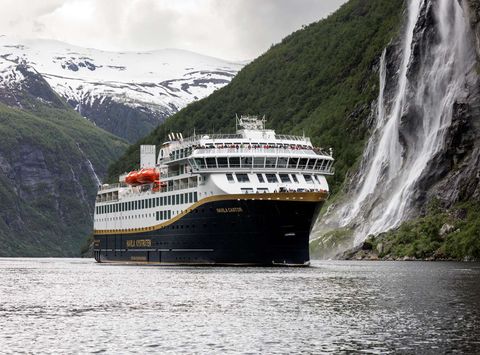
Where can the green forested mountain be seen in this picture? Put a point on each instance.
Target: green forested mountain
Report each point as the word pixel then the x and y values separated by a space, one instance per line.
pixel 50 158
pixel 318 80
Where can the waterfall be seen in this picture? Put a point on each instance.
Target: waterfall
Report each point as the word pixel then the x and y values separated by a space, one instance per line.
pixel 411 122
pixel 90 167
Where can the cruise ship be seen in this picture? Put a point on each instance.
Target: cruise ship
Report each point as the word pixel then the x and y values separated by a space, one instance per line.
pixel 247 198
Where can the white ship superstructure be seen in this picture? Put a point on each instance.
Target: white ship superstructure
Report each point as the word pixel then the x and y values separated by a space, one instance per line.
pixel 254 164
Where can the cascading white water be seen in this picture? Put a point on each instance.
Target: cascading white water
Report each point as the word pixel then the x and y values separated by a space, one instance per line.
pixel 392 163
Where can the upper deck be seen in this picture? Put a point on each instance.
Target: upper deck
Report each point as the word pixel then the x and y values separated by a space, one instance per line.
pixel 252 147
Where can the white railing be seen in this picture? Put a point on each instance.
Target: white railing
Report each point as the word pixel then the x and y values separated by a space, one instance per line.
pixel 262 150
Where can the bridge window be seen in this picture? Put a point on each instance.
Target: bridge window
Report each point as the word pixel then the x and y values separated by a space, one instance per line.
pixel 285 178
pixel 234 162
pixel 222 162
pixel 230 178
pixel 294 178
pixel 270 162
pixel 308 178
pixel 200 162
pixel 260 178
pixel 282 162
pixel 242 178
pixel 292 163
pixel 211 163
pixel 246 162
pixel 259 162
pixel 271 177
pixel 303 163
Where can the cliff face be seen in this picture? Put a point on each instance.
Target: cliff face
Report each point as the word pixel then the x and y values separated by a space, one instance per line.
pixel 425 145
pixel 51 160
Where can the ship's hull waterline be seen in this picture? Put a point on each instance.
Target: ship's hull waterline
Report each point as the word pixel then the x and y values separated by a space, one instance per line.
pixel 255 229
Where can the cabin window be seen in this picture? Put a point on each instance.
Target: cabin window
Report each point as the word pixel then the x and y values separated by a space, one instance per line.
pixel 149 203
pixel 271 177
pixel 234 162
pixel 230 178
pixel 270 162
pixel 195 196
pixel 157 215
pixel 186 197
pixel 285 178
pixel 282 162
pixel 222 162
pixel 181 199
pixel 190 199
pixel 259 162
pixel 260 178
pixel 294 178
pixel 169 200
pixel 211 163
pixel 308 178
pixel 177 199
pixel 242 178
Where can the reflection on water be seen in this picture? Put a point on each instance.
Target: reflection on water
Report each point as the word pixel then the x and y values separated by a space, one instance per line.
pixel 77 306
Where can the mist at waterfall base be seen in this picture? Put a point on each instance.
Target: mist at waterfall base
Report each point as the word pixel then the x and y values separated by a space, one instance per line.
pixel 420 79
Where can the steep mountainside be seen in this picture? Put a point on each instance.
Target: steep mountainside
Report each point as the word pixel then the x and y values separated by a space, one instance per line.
pixel 126 93
pixel 320 80
pixel 51 161
pixel 419 176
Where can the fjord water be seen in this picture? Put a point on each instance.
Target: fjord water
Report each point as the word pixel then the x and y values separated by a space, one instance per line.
pixel 77 306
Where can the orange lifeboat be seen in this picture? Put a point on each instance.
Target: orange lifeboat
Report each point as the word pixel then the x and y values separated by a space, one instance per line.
pixel 146 176
pixel 131 178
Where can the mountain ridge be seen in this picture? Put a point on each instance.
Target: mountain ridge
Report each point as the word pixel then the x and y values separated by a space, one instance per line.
pixel 113 90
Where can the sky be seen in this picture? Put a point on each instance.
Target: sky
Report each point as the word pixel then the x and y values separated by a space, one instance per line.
pixel 228 29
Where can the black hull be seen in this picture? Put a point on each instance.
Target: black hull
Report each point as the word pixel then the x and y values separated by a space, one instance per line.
pixel 225 232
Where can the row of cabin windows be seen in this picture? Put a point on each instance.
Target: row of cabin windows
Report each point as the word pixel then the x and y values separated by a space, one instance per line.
pixel 163 215
pixel 273 178
pixel 264 162
pixel 187 197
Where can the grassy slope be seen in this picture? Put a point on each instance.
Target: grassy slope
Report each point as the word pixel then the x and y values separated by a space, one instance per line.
pixel 319 80
pixel 51 216
pixel 440 234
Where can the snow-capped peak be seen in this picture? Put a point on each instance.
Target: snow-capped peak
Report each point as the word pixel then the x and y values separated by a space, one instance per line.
pixel 162 81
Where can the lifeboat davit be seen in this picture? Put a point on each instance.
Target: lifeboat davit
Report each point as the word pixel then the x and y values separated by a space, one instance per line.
pixel 146 176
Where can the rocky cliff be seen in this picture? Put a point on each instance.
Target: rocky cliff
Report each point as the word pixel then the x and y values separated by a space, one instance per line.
pixel 424 147
pixel 51 162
